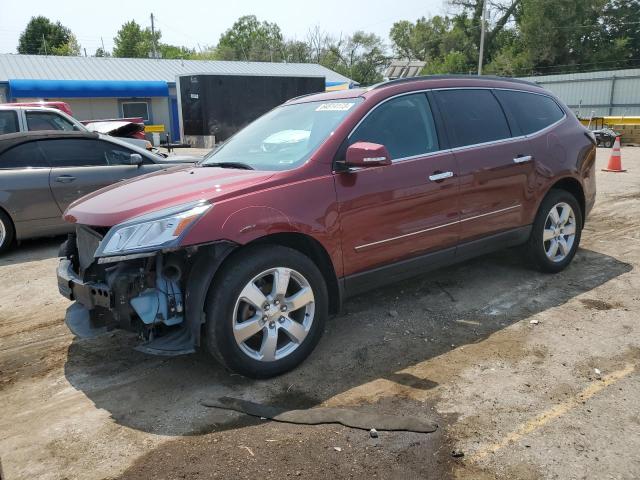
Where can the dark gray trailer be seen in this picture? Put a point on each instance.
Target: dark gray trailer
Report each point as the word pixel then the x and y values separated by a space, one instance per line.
pixel 215 106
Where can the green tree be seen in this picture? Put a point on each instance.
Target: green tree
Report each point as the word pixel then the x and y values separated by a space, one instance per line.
pixel 41 36
pixel 469 20
pixel 251 40
pixel 421 40
pixel 621 19
pixel 296 51
pixel 100 52
pixel 561 34
pixel 206 53
pixel 452 62
pixel 360 57
pixel 172 51
pixel 525 37
pixel 130 41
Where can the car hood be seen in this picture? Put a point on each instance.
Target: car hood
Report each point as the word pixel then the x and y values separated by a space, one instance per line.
pixel 166 188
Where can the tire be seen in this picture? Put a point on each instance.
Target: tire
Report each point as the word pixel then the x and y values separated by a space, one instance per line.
pixel 608 142
pixel 7 232
pixel 228 309
pixel 540 251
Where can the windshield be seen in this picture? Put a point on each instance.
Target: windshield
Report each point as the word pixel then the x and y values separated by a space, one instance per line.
pixel 283 138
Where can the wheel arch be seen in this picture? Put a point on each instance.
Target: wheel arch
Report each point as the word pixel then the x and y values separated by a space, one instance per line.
pixel 574 187
pixel 313 249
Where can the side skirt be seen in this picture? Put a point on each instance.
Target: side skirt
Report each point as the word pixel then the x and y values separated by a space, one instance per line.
pixel 404 269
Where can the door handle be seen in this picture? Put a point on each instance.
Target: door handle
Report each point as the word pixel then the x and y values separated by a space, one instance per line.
pixel 523 159
pixel 439 176
pixel 65 179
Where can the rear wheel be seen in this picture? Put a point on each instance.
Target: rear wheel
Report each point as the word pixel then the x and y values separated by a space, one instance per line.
pixel 556 232
pixel 607 142
pixel 266 312
pixel 7 232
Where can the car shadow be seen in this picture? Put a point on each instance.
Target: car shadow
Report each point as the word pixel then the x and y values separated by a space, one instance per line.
pixel 380 335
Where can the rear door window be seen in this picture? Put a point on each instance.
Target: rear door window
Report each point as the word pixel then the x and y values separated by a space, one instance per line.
pixel 404 125
pixel 26 155
pixel 75 152
pixel 472 116
pixel 531 112
pixel 48 121
pixel 8 122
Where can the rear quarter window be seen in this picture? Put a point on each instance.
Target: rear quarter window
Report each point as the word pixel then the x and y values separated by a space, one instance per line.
pixel 530 111
pixel 8 122
pixel 48 121
pixel 472 116
pixel 26 155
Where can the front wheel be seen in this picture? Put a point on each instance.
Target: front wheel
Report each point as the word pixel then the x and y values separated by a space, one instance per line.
pixel 556 231
pixel 266 312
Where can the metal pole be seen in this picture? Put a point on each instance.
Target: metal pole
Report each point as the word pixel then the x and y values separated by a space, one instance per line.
pixel 153 38
pixel 482 28
pixel 612 93
pixel 44 41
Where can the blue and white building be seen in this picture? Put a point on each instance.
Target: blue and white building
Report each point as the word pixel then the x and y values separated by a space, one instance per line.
pixel 107 87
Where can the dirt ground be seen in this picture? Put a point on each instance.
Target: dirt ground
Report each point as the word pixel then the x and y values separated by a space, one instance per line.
pixel 529 376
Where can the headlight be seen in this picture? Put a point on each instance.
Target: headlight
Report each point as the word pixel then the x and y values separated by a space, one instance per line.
pixel 152 231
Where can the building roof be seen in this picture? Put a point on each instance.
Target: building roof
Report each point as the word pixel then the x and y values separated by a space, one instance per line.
pixel 403 68
pixel 43 67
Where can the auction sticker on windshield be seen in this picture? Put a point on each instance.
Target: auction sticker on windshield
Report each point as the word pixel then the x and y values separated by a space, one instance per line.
pixel 334 107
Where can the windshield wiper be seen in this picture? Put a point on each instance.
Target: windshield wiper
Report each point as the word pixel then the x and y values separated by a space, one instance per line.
pixel 240 165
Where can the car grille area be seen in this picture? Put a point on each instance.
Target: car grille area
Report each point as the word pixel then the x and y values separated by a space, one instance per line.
pixel 87 241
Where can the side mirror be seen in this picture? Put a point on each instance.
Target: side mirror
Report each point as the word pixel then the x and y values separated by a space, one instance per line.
pixel 135 159
pixel 366 154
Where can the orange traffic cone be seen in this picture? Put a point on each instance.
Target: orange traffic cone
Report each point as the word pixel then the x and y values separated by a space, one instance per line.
pixel 615 160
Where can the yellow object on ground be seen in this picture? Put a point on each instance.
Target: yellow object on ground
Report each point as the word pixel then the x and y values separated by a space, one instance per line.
pixel 153 128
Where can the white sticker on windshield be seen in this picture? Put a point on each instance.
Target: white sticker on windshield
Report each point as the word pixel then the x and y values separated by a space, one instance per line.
pixel 334 107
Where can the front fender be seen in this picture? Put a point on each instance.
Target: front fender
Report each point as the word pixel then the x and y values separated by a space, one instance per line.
pixel 249 223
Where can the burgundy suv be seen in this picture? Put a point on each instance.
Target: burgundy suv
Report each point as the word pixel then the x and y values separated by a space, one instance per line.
pixel 322 198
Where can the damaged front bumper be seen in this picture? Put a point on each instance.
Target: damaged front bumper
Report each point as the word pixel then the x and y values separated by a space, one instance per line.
pixel 160 296
pixel 90 294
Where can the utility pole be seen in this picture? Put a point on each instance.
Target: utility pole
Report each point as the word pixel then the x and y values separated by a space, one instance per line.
pixel 153 38
pixel 482 28
pixel 44 41
pixel 103 50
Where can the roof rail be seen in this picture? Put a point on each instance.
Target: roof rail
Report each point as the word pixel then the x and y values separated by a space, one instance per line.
pixel 457 76
pixel 302 96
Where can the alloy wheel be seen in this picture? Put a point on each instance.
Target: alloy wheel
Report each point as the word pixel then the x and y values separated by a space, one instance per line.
pixel 273 314
pixel 559 232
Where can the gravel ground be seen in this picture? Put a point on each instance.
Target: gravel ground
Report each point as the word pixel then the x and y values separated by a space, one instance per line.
pixel 529 376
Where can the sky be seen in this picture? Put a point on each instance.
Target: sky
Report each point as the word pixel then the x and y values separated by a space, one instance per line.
pixel 196 23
